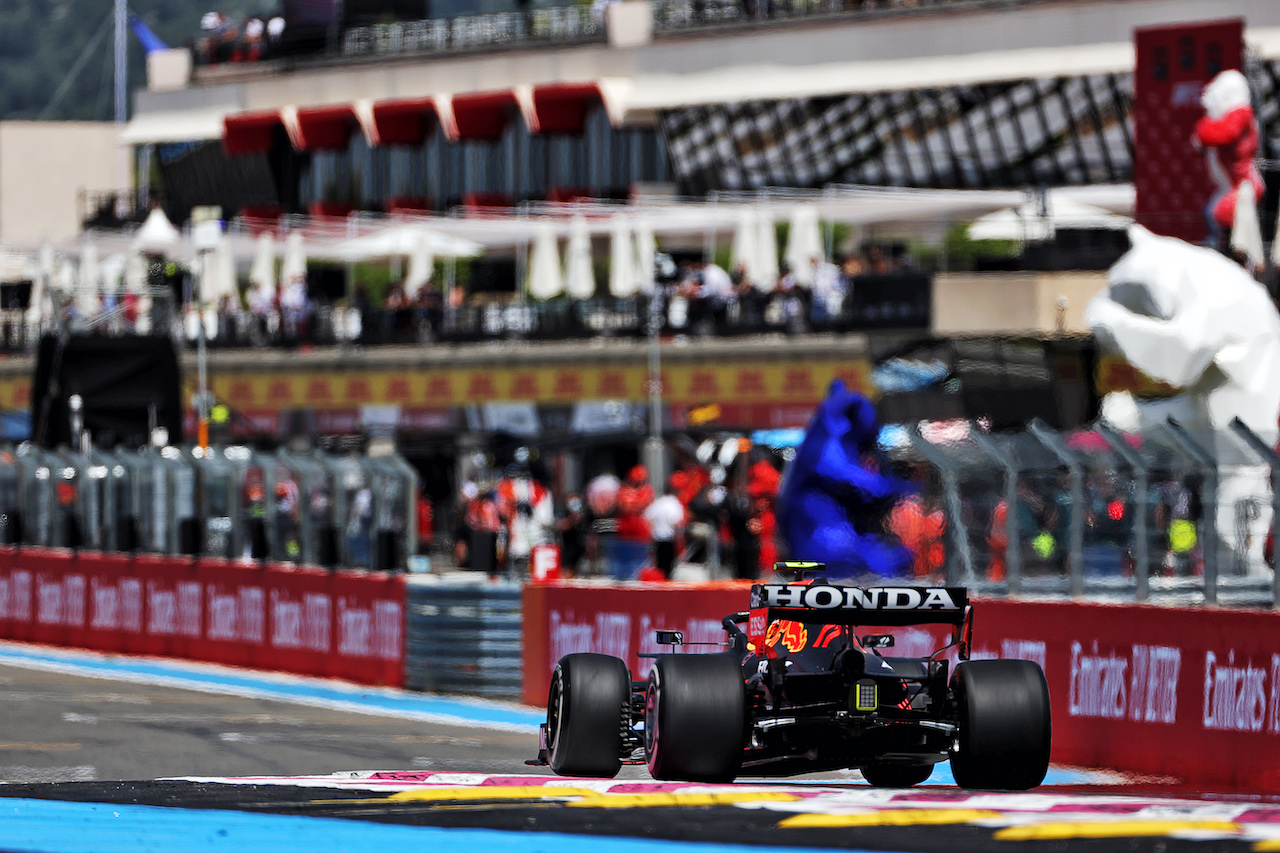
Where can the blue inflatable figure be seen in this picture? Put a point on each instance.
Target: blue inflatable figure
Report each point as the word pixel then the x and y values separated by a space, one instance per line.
pixel 834 498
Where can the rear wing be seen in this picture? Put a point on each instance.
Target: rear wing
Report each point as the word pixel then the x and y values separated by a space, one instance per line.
pixel 851 605
pixel 825 603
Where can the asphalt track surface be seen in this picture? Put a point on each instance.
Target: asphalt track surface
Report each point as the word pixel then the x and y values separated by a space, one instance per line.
pixel 91 746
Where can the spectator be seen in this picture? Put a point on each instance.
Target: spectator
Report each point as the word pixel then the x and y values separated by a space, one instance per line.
pixel 467 496
pixel 265 321
pixel 286 517
pixel 666 518
pixel 828 292
pixel 574 528
pixel 602 502
pixel 255 30
pixel 487 544
pixel 717 292
pixel 704 528
pixel 524 505
pixel 296 310
pixel 428 312
pixel 632 545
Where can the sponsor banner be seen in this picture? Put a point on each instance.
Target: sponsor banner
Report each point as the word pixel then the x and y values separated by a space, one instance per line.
pixel 1186 694
pixel 307 621
pixel 797 382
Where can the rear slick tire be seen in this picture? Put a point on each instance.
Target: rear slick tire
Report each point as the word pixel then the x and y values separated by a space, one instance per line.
pixel 695 716
pixel 585 705
pixel 1005 726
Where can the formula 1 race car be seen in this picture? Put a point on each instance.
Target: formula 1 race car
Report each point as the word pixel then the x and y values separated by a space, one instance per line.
pixel 801 691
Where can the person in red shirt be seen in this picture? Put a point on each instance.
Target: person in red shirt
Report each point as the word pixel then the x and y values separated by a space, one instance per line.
pixel 1228 133
pixel 633 499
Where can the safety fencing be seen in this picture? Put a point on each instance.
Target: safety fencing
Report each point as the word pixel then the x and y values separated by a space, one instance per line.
pixel 464 638
pixel 340 624
pixel 1182 694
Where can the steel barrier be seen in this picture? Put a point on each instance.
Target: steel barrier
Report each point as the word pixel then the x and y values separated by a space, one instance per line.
pixel 464 636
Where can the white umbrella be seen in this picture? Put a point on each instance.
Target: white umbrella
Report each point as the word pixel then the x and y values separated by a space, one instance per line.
pixel 543 280
pixel 1028 222
pixel 622 259
pixel 157 233
pixel 218 279
pixel 804 242
pixel 263 270
pixel 768 251
pixel 295 258
pixel 744 251
pixel 646 248
pixel 87 300
pixel 579 273
pixel 403 240
pixel 421 264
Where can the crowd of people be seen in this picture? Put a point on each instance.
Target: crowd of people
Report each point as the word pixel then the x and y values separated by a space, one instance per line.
pixel 719 521
pixel 226 39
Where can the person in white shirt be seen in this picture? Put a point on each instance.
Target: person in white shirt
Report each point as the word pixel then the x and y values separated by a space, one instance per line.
pixel 666 519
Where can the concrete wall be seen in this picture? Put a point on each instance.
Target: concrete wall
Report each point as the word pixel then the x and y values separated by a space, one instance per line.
pixel 968 303
pixel 45 166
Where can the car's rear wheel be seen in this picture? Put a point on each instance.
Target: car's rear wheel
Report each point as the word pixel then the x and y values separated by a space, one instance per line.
pixel 589 695
pixel 695 714
pixel 1005 727
pixel 896 775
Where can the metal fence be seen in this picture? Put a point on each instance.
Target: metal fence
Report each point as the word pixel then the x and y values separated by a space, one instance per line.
pixel 231 502
pixel 1168 515
pixel 464 638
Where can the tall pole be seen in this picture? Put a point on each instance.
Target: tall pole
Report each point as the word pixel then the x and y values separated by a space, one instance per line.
pixel 655 456
pixel 122 92
pixel 122 61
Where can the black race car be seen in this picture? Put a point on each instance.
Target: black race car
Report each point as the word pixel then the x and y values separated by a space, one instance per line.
pixel 800 690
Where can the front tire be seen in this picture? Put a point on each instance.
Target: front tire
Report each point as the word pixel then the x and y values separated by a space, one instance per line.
pixel 695 716
pixel 1005 726
pixel 585 704
pixel 896 775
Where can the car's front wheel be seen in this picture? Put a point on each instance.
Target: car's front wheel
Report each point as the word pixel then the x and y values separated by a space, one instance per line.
pixel 1005 727
pixel 694 719
pixel 589 695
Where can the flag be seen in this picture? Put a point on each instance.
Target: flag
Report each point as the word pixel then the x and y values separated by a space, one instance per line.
pixel 150 41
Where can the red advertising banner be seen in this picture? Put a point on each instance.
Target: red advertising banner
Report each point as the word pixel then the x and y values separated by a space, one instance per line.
pixel 345 624
pixel 1190 695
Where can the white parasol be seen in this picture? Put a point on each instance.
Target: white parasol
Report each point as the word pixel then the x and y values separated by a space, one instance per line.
pixel 579 273
pixel 263 270
pixel 622 259
pixel 646 248
pixel 295 258
pixel 421 264
pixel 767 247
pixel 157 234
pixel 804 242
pixel 743 252
pixel 543 280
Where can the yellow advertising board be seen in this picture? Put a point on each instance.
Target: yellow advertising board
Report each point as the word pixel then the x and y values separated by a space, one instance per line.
pixel 780 381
